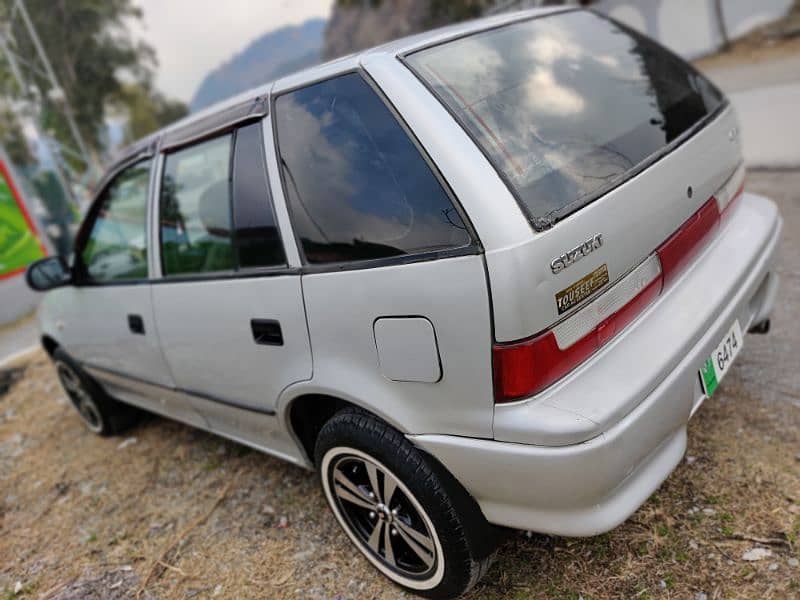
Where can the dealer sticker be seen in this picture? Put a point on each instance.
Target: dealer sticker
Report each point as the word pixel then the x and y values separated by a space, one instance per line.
pixel 582 289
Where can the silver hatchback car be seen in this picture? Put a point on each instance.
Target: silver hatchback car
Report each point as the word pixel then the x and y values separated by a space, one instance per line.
pixel 480 278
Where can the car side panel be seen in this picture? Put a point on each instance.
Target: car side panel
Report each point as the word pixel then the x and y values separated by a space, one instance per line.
pixel 206 335
pixel 452 295
pixel 91 324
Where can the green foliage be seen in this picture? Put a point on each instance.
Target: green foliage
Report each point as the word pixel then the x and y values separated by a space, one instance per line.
pixel 147 110
pixel 90 49
pixel 12 140
pixel 94 57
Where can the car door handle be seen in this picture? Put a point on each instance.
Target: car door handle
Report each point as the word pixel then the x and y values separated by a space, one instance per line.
pixel 266 332
pixel 136 324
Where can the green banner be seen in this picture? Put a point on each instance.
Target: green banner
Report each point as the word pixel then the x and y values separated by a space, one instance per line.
pixel 19 245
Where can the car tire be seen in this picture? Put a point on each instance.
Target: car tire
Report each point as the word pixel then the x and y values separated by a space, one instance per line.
pixel 439 543
pixel 101 413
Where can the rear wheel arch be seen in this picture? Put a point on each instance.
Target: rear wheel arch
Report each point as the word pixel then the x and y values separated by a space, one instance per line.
pixel 49 344
pixel 307 414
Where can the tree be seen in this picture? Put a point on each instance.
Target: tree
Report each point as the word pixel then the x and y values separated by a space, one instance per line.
pixel 94 58
pixel 147 110
pixel 11 136
pixel 89 48
pixel 12 139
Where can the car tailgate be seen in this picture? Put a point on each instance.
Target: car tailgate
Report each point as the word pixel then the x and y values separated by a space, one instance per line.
pixel 632 221
pixel 667 344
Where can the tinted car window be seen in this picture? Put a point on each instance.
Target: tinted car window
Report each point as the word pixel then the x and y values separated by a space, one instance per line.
pixel 565 106
pixel 257 238
pixel 116 247
pixel 357 186
pixel 195 209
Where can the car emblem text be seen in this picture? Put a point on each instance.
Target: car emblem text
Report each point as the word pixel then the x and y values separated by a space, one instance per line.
pixel 570 257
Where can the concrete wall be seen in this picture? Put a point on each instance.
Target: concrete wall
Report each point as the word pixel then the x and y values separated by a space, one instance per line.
pixel 689 27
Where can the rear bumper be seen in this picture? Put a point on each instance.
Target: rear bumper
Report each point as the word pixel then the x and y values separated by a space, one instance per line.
pixel 584 455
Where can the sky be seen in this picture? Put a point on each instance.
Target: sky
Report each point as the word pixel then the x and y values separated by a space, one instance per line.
pixel 191 38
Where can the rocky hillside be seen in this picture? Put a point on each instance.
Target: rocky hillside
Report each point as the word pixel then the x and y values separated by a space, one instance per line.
pixel 358 24
pixel 270 56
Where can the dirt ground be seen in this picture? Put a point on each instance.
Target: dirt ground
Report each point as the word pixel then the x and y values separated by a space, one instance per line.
pixel 767 44
pixel 171 512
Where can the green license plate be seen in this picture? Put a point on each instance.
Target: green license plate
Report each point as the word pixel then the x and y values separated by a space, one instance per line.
pixel 718 364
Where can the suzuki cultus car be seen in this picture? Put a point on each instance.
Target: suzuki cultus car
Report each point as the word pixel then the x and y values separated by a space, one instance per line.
pixel 479 278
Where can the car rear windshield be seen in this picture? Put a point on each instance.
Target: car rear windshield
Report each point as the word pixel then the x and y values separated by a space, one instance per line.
pixel 566 106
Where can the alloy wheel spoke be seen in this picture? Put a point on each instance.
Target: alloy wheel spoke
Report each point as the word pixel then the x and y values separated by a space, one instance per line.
pixel 418 537
pixel 83 408
pixel 347 490
pixel 389 486
pixel 387 546
pixel 420 548
pixel 372 471
pixel 395 542
pixel 70 382
pixel 87 410
pixel 345 494
pixel 375 537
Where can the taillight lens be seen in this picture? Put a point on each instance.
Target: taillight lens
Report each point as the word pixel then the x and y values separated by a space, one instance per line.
pixel 683 245
pixel 524 368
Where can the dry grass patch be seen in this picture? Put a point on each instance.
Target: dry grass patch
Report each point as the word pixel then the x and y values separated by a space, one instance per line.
pixel 182 514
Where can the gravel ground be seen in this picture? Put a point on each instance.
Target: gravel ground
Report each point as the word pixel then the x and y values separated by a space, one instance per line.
pixel 171 512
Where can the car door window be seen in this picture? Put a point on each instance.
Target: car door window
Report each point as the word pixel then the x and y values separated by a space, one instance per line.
pixel 195 209
pixel 216 210
pixel 116 246
pixel 357 186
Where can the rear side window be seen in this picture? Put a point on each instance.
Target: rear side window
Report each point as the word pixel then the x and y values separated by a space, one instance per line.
pixel 357 186
pixel 196 210
pixel 216 211
pixel 257 239
pixel 565 106
pixel 116 246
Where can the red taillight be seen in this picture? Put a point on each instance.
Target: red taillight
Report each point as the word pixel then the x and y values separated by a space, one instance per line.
pixel 521 369
pixel 524 368
pixel 682 245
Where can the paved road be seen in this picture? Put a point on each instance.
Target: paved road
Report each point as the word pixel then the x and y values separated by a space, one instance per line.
pixel 770 120
pixel 763 74
pixel 17 338
pixel 770 362
pixel 767 97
